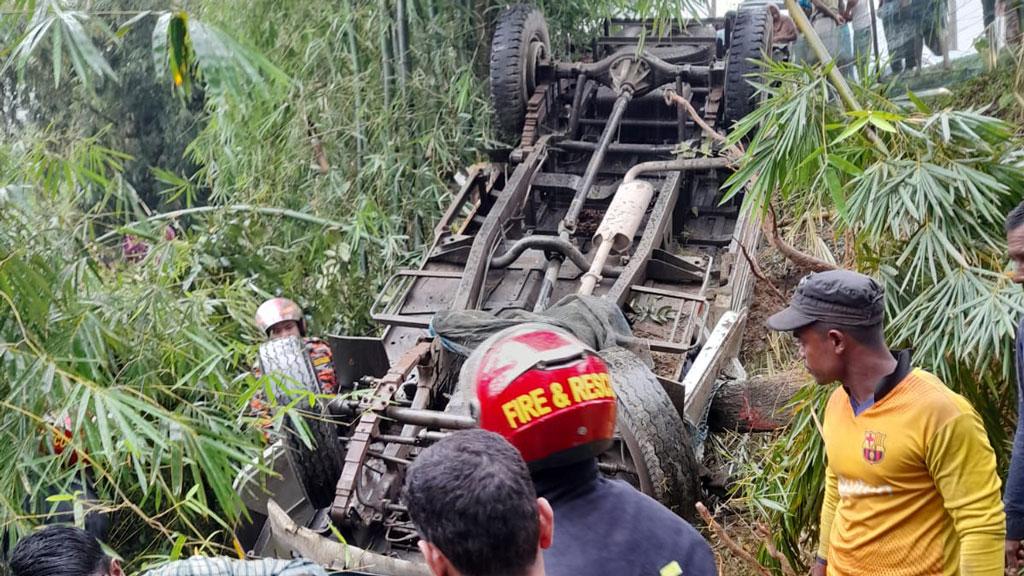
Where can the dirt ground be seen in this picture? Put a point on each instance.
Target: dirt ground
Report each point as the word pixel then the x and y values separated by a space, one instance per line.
pixel 785 276
pixel 759 354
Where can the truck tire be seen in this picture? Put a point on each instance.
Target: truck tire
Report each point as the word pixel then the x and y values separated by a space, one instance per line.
pixel 751 40
pixel 520 43
pixel 318 466
pixel 653 437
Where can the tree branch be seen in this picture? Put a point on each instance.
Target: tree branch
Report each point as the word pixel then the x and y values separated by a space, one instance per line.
pixel 729 542
pixel 769 545
pixel 755 268
pixel 795 256
pixel 734 153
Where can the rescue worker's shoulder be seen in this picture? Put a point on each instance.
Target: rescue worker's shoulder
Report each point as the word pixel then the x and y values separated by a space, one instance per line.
pixel 931 393
pixel 662 530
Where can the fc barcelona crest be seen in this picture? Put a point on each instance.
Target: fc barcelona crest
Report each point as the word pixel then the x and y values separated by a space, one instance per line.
pixel 874 447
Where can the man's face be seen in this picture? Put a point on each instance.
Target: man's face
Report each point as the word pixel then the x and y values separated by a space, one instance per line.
pixel 821 353
pixel 284 329
pixel 1015 243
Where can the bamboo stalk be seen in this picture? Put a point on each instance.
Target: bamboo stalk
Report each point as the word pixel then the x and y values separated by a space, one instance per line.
pixel 268 211
pixel 353 49
pixel 402 42
pixel 811 36
pixel 834 75
pixel 386 56
pixel 874 37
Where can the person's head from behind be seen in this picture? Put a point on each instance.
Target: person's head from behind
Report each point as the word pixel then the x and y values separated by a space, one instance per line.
pixel 1015 241
pixel 62 551
pixel 837 319
pixel 472 500
pixel 544 391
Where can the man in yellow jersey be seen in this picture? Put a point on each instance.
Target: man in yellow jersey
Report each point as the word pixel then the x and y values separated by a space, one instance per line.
pixel 911 486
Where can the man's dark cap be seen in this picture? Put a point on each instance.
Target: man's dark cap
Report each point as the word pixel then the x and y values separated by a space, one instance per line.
pixel 835 297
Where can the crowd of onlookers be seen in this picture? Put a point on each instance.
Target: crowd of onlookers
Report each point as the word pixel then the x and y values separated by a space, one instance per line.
pixel 905 26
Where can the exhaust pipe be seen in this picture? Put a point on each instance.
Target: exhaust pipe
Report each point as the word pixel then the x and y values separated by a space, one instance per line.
pixel 618 227
pixel 626 212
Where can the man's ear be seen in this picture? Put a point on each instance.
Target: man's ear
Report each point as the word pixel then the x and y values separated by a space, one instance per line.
pixel 837 340
pixel 115 568
pixel 435 559
pixel 547 523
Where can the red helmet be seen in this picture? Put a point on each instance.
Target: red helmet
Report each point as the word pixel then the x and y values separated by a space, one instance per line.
pixel 277 310
pixel 545 392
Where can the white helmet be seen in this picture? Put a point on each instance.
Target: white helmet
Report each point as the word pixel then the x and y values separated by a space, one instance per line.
pixel 277 310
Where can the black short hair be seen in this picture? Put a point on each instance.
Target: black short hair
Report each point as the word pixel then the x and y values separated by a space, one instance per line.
pixel 59 551
pixel 1015 219
pixel 872 336
pixel 471 496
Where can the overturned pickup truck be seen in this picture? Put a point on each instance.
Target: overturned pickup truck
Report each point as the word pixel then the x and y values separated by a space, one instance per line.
pixel 606 219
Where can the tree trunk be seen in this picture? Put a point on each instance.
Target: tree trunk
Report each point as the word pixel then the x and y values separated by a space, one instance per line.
pixel 759 404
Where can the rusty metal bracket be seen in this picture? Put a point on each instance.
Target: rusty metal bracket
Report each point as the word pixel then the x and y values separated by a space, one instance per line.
pixel 368 426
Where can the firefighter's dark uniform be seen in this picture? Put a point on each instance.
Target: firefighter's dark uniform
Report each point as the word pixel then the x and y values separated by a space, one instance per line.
pixel 605 526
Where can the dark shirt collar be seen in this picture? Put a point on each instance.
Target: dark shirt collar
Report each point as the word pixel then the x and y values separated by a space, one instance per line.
pixel 561 481
pixel 889 382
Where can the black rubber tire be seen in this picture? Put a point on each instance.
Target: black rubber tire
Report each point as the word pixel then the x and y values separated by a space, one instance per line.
pixel 319 466
pixel 751 40
pixel 654 433
pixel 518 26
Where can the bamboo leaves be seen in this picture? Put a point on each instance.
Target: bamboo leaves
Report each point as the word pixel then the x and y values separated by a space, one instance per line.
pixel 182 46
pixel 924 217
pixel 66 31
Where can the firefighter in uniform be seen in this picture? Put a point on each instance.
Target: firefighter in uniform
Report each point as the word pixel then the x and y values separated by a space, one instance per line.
pixel 552 398
pixel 281 318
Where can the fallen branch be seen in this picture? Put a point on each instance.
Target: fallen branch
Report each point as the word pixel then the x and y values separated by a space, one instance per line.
pixel 755 268
pixel 729 542
pixel 734 153
pixel 769 545
pixel 801 259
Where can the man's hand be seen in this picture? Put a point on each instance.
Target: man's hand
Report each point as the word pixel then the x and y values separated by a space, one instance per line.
pixel 839 19
pixel 1014 557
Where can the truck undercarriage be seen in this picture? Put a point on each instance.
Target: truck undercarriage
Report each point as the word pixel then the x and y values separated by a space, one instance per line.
pixel 611 194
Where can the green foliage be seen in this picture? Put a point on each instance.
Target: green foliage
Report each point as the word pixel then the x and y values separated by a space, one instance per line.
pixel 922 193
pixel 144 371
pixel 1001 89
pixel 783 480
pixel 66 31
